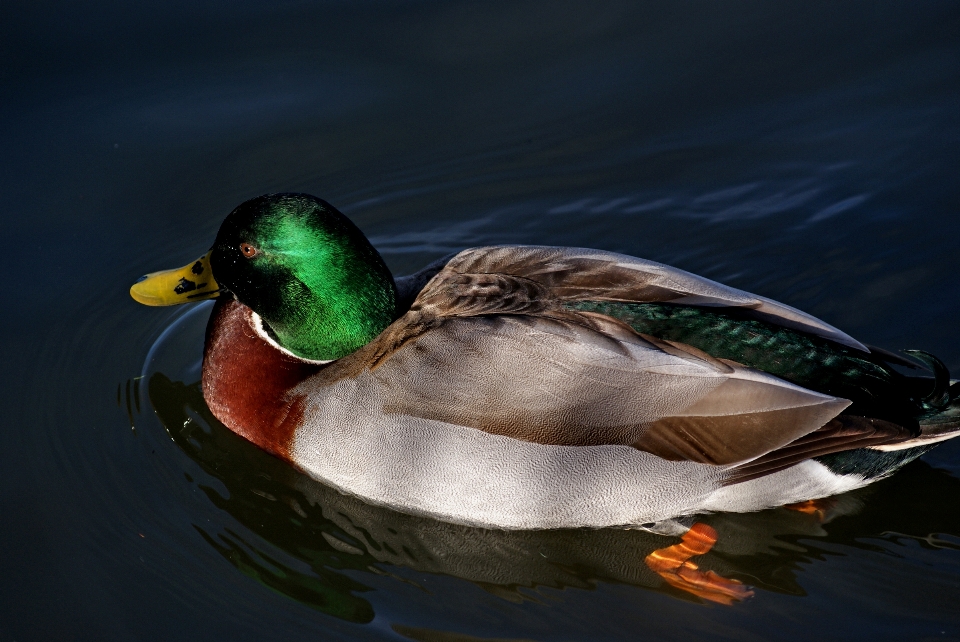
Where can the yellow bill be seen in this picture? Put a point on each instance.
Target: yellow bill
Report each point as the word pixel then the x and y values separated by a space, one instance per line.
pixel 192 282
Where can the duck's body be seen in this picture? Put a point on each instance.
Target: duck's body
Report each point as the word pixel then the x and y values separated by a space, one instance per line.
pixel 539 387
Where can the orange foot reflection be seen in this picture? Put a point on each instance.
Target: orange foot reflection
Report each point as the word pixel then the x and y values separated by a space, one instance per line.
pixel 819 508
pixel 671 563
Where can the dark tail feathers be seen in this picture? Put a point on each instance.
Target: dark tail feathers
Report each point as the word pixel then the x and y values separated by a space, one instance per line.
pixel 943 392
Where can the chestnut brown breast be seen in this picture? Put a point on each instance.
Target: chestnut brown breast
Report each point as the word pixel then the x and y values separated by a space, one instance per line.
pixel 247 381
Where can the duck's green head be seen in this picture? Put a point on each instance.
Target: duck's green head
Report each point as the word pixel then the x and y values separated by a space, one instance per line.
pixel 321 289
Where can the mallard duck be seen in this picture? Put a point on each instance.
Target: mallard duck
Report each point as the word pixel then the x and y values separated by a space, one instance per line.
pixel 526 387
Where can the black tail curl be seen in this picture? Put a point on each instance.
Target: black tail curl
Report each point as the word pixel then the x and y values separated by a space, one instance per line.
pixel 943 393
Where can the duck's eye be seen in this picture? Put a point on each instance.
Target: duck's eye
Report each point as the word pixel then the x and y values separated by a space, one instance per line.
pixel 248 250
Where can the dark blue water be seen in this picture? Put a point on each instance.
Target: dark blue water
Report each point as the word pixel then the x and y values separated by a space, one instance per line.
pixel 807 152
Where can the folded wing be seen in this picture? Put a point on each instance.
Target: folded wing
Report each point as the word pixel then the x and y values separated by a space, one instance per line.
pixel 574 274
pixel 566 381
pixel 488 343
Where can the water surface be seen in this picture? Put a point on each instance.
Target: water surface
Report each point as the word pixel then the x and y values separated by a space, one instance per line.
pixel 808 153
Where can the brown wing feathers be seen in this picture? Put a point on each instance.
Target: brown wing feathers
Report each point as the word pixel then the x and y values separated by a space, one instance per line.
pixel 753 423
pixel 571 274
pixel 565 278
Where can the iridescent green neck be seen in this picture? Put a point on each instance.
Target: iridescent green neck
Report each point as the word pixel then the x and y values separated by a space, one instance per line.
pixel 321 289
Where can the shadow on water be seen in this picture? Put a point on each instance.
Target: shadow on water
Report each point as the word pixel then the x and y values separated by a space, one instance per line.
pixel 262 494
pixel 309 542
